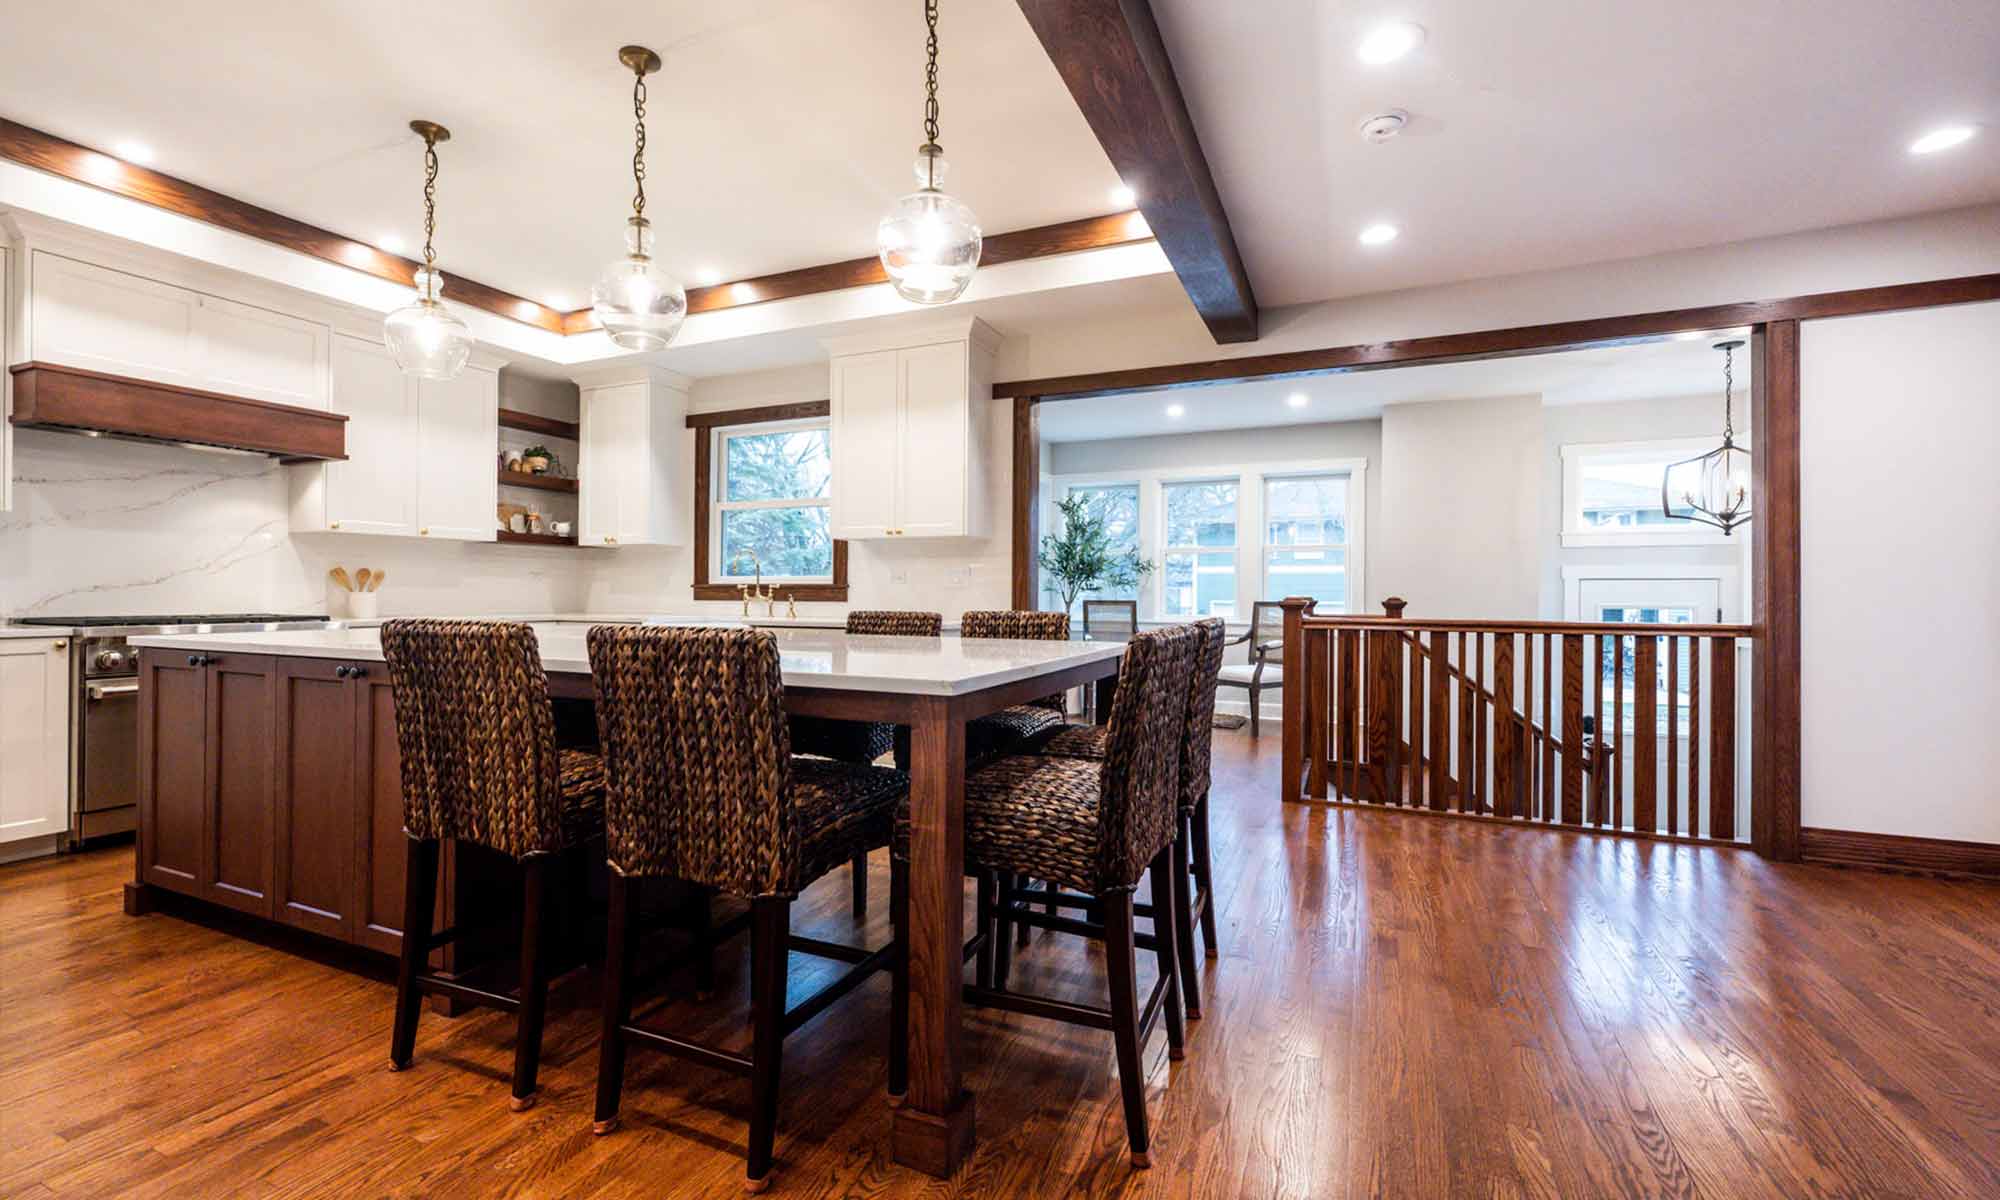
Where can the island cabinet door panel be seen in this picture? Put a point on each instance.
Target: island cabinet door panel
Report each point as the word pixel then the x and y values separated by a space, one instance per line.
pixel 380 849
pixel 315 796
pixel 173 770
pixel 242 769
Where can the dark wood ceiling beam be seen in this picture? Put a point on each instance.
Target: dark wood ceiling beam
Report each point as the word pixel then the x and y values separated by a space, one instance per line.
pixel 80 164
pixel 1110 55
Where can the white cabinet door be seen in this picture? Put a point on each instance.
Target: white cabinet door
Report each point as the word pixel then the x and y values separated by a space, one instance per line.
pixel 866 424
pixel 375 489
pixel 936 456
pixel 458 439
pixel 260 354
pixel 104 320
pixel 611 466
pixel 6 386
pixel 34 737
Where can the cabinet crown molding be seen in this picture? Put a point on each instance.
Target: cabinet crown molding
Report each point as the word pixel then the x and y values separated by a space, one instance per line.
pixel 622 374
pixel 971 330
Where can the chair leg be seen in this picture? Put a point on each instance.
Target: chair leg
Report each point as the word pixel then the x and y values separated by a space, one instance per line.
pixel 1122 969
pixel 1253 712
pixel 1003 929
pixel 617 1004
pixel 983 926
pixel 419 904
pixel 899 984
pixel 1021 930
pixel 1204 874
pixel 534 983
pixel 770 932
pixel 1166 950
pixel 1184 922
pixel 858 866
pixel 702 923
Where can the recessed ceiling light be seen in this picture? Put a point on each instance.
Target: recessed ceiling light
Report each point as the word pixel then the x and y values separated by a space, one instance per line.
pixel 1943 139
pixel 707 276
pixel 1387 43
pixel 389 243
pixel 134 152
pixel 1177 411
pixel 1124 197
pixel 1296 399
pixel 1380 234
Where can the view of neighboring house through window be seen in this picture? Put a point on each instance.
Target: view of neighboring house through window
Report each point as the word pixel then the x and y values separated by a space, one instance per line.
pixel 1305 538
pixel 1117 505
pixel 1199 550
pixel 771 497
pixel 1611 494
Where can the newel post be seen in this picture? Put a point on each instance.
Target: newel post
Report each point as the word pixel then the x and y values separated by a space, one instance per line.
pixel 1292 755
pixel 1393 607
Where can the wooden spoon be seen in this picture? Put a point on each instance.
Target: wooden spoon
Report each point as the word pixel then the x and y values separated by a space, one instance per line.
pixel 379 577
pixel 340 579
pixel 361 580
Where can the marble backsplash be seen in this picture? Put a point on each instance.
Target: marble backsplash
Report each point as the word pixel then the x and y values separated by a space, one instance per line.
pixel 101 526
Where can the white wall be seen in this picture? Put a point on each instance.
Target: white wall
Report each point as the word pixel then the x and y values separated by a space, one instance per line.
pixel 1627 421
pixel 1460 493
pixel 1900 422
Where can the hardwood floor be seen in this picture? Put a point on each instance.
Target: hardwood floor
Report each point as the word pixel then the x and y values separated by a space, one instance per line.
pixel 1404 1007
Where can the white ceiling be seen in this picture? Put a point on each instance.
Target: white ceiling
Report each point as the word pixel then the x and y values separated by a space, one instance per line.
pixel 1647 370
pixel 779 131
pixel 1558 132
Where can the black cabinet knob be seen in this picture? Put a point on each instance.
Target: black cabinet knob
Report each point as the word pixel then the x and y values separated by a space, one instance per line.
pixel 357 672
pixel 194 660
pixel 342 671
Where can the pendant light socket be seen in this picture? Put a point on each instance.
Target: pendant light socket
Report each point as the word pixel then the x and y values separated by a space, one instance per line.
pixel 430 131
pixel 638 59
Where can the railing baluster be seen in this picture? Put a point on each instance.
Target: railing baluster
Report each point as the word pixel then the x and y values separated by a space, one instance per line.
pixel 1482 728
pixel 1416 698
pixel 1385 715
pixel 1440 720
pixel 1645 716
pixel 1673 733
pixel 1348 753
pixel 1624 754
pixel 1600 761
pixel 1722 738
pixel 1506 734
pixel 1319 721
pixel 1545 792
pixel 1466 706
pixel 1572 729
pixel 1694 737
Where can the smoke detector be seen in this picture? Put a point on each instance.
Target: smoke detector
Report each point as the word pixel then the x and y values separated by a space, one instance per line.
pixel 1383 126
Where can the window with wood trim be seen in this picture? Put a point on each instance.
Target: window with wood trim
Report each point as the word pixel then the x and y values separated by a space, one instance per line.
pixel 763 487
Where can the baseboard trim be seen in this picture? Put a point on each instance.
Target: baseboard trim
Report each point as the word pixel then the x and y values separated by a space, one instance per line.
pixel 1906 855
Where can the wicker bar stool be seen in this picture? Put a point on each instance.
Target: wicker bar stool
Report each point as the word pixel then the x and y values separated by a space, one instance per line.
pixel 700 786
pixel 1020 726
pixel 863 742
pixel 1192 869
pixel 480 764
pixel 1097 827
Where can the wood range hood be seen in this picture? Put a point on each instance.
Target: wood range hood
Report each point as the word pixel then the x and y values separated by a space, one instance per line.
pixel 51 396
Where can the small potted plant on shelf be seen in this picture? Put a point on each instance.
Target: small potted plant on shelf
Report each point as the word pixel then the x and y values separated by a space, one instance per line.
pixel 536 459
pixel 1081 557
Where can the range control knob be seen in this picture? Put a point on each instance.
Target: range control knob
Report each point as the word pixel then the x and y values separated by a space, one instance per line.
pixel 111 660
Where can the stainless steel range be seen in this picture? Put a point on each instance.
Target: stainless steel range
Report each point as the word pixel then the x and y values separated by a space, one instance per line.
pixel 104 707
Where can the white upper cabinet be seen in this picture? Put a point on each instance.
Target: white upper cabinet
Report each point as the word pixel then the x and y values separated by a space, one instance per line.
pixel 260 354
pixel 420 453
pixel 908 428
pixel 101 319
pixel 6 382
pixel 634 459
pixel 34 739
pixel 458 439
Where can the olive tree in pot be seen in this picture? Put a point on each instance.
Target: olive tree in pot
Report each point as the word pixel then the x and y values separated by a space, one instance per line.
pixel 1081 557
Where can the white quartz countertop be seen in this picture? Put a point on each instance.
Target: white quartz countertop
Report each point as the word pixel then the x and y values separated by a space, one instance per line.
pixel 35 631
pixel 816 658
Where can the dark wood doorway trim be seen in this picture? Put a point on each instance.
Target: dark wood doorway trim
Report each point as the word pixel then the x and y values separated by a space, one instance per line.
pixel 1501 343
pixel 1111 56
pixel 1775 400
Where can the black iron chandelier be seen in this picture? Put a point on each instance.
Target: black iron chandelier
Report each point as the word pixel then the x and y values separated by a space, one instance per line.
pixel 1714 488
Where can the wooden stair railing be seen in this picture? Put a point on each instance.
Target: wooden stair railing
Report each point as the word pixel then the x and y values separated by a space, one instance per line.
pixel 1500 720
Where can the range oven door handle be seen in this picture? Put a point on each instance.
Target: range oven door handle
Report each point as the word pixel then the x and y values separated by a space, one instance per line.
pixel 102 691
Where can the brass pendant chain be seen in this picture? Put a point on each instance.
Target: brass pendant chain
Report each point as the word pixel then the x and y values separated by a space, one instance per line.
pixel 1728 395
pixel 931 149
pixel 639 150
pixel 430 199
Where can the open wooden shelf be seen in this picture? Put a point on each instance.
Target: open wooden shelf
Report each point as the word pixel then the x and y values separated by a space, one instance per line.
pixel 531 423
pixel 533 539
pixel 544 483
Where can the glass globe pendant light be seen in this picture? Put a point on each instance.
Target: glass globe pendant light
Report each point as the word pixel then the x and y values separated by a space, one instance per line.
pixel 637 303
pixel 1713 488
pixel 423 337
pixel 929 242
